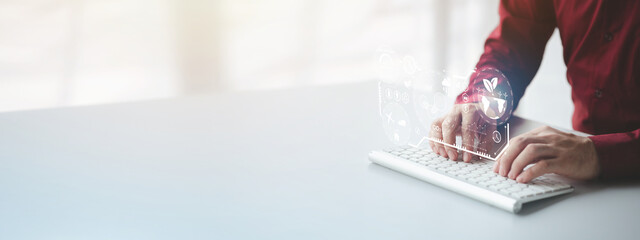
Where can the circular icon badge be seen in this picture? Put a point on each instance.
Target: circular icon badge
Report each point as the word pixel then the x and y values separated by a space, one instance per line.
pixel 465 97
pixel 497 137
pixel 494 95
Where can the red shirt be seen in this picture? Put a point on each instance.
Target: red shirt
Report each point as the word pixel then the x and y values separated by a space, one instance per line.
pixel 601 42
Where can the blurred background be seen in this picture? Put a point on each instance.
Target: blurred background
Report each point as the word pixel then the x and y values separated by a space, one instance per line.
pixel 56 53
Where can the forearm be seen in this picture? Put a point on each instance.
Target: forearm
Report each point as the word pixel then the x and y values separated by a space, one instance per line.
pixel 516 45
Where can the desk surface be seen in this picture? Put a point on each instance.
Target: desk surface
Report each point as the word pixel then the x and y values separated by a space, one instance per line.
pixel 278 164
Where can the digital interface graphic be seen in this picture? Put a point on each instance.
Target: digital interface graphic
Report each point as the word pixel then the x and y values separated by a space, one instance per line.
pixel 411 99
pixel 496 96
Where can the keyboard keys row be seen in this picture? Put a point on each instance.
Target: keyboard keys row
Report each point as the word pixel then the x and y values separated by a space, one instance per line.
pixel 477 172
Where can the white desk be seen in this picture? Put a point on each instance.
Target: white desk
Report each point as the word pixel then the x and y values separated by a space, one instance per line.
pixel 280 164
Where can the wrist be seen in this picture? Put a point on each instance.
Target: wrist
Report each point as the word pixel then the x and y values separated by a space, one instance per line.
pixel 593 161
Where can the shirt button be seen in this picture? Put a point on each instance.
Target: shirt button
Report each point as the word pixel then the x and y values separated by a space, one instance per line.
pixel 598 93
pixel 608 37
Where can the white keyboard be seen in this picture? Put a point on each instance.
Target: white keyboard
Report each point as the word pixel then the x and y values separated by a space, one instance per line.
pixel 475 179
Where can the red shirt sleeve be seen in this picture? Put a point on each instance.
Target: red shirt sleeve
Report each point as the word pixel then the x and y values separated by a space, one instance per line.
pixel 516 46
pixel 619 154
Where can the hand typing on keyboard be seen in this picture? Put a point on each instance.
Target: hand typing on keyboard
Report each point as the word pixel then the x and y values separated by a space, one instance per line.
pixel 455 123
pixel 549 150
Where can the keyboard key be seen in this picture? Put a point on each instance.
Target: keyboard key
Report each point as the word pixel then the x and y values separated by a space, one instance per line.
pixel 505 191
pixel 515 189
pixel 484 183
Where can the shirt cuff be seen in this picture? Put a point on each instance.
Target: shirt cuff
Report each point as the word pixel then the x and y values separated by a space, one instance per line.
pixel 618 154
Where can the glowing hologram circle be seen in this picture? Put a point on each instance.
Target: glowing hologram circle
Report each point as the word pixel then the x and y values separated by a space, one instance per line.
pixel 494 95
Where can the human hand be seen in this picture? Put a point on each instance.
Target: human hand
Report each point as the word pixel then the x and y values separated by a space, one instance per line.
pixel 551 151
pixel 463 120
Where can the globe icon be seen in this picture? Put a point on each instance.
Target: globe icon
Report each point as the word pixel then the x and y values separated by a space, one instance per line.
pixel 494 95
pixel 493 107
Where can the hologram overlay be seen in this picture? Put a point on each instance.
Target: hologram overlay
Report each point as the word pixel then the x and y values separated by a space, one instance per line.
pixel 411 99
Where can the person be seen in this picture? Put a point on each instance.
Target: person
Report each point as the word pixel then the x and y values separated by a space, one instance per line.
pixel 601 41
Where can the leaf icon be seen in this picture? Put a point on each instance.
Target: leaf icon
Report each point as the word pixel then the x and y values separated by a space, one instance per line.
pixel 488 84
pixel 494 82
